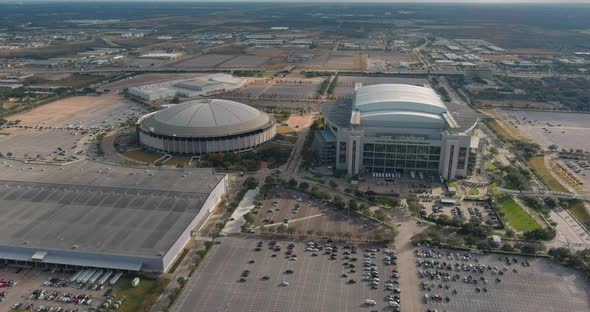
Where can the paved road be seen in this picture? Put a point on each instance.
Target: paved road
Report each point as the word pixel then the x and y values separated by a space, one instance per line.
pixel 407 263
pixel 247 203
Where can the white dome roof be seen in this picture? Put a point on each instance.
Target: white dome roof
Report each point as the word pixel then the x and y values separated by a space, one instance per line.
pixel 205 118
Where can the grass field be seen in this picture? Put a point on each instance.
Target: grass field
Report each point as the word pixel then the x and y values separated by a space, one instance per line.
pixel 518 218
pixel 537 165
pixel 495 126
pixel 473 191
pixel 138 298
pixel 285 130
pixel 579 211
pixel 491 165
pixel 77 81
pixel 142 155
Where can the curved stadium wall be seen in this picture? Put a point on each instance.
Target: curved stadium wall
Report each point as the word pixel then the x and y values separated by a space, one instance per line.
pixel 196 145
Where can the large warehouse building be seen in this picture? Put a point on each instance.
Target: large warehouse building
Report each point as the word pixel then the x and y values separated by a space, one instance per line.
pixel 205 126
pixel 190 87
pixel 88 214
pixel 397 128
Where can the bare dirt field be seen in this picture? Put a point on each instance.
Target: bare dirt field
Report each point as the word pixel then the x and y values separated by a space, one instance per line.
pixel 203 61
pixel 504 57
pixel 533 51
pixel 246 61
pixel 332 60
pixel 299 122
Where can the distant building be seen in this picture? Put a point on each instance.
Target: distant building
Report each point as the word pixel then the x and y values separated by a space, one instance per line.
pixel 159 55
pixel 132 35
pixel 204 85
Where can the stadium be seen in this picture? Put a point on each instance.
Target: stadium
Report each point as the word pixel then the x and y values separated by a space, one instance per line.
pixel 205 126
pixel 398 128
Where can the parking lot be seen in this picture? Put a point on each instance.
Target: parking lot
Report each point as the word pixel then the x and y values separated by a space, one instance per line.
pixel 462 209
pixel 316 283
pixel 458 281
pixel 566 130
pixel 311 216
pixel 33 288
pixel 63 130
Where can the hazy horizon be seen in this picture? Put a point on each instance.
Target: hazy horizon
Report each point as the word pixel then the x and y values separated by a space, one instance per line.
pixel 325 1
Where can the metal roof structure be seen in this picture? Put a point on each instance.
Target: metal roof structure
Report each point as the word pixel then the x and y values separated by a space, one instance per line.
pixel 205 118
pixel 92 214
pixel 399 104
pixel 398 97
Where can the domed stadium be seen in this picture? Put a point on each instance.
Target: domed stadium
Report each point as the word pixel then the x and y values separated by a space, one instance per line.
pixel 205 126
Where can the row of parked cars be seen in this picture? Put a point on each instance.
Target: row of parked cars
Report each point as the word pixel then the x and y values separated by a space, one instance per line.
pixel 42 294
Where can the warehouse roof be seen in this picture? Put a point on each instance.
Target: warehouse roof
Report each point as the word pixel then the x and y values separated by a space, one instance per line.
pixel 205 118
pixel 91 208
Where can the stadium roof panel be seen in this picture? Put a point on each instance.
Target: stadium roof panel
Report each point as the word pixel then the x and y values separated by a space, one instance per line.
pixel 205 118
pixel 398 97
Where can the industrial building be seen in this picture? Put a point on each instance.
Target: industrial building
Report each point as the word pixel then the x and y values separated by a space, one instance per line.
pixel 191 87
pixel 205 126
pixel 397 128
pixel 92 215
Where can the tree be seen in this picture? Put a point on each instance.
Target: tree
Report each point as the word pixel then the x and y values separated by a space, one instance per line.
pixel 333 184
pixel 338 202
pixel 303 186
pixel 353 205
pixel 507 247
pixel 250 183
pixel 493 151
pixel 292 183
pixel 553 147
pixel 291 230
pixel 379 215
pixel 269 180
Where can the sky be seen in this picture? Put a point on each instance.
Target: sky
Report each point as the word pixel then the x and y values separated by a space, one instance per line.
pixel 311 1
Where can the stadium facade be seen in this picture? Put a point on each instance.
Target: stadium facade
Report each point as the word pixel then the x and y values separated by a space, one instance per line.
pixel 205 126
pixel 397 128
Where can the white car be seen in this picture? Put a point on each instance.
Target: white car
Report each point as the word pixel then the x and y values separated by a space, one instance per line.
pixel 370 302
pixel 284 284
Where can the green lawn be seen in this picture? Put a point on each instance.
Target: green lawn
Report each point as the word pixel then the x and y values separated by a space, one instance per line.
pixel 138 298
pixel 491 165
pixel 452 184
pixel 537 165
pixel 473 191
pixel 518 218
pixel 580 212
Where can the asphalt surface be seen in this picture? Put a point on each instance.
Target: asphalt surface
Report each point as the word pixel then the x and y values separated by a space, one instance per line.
pixel 315 285
pixel 542 286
